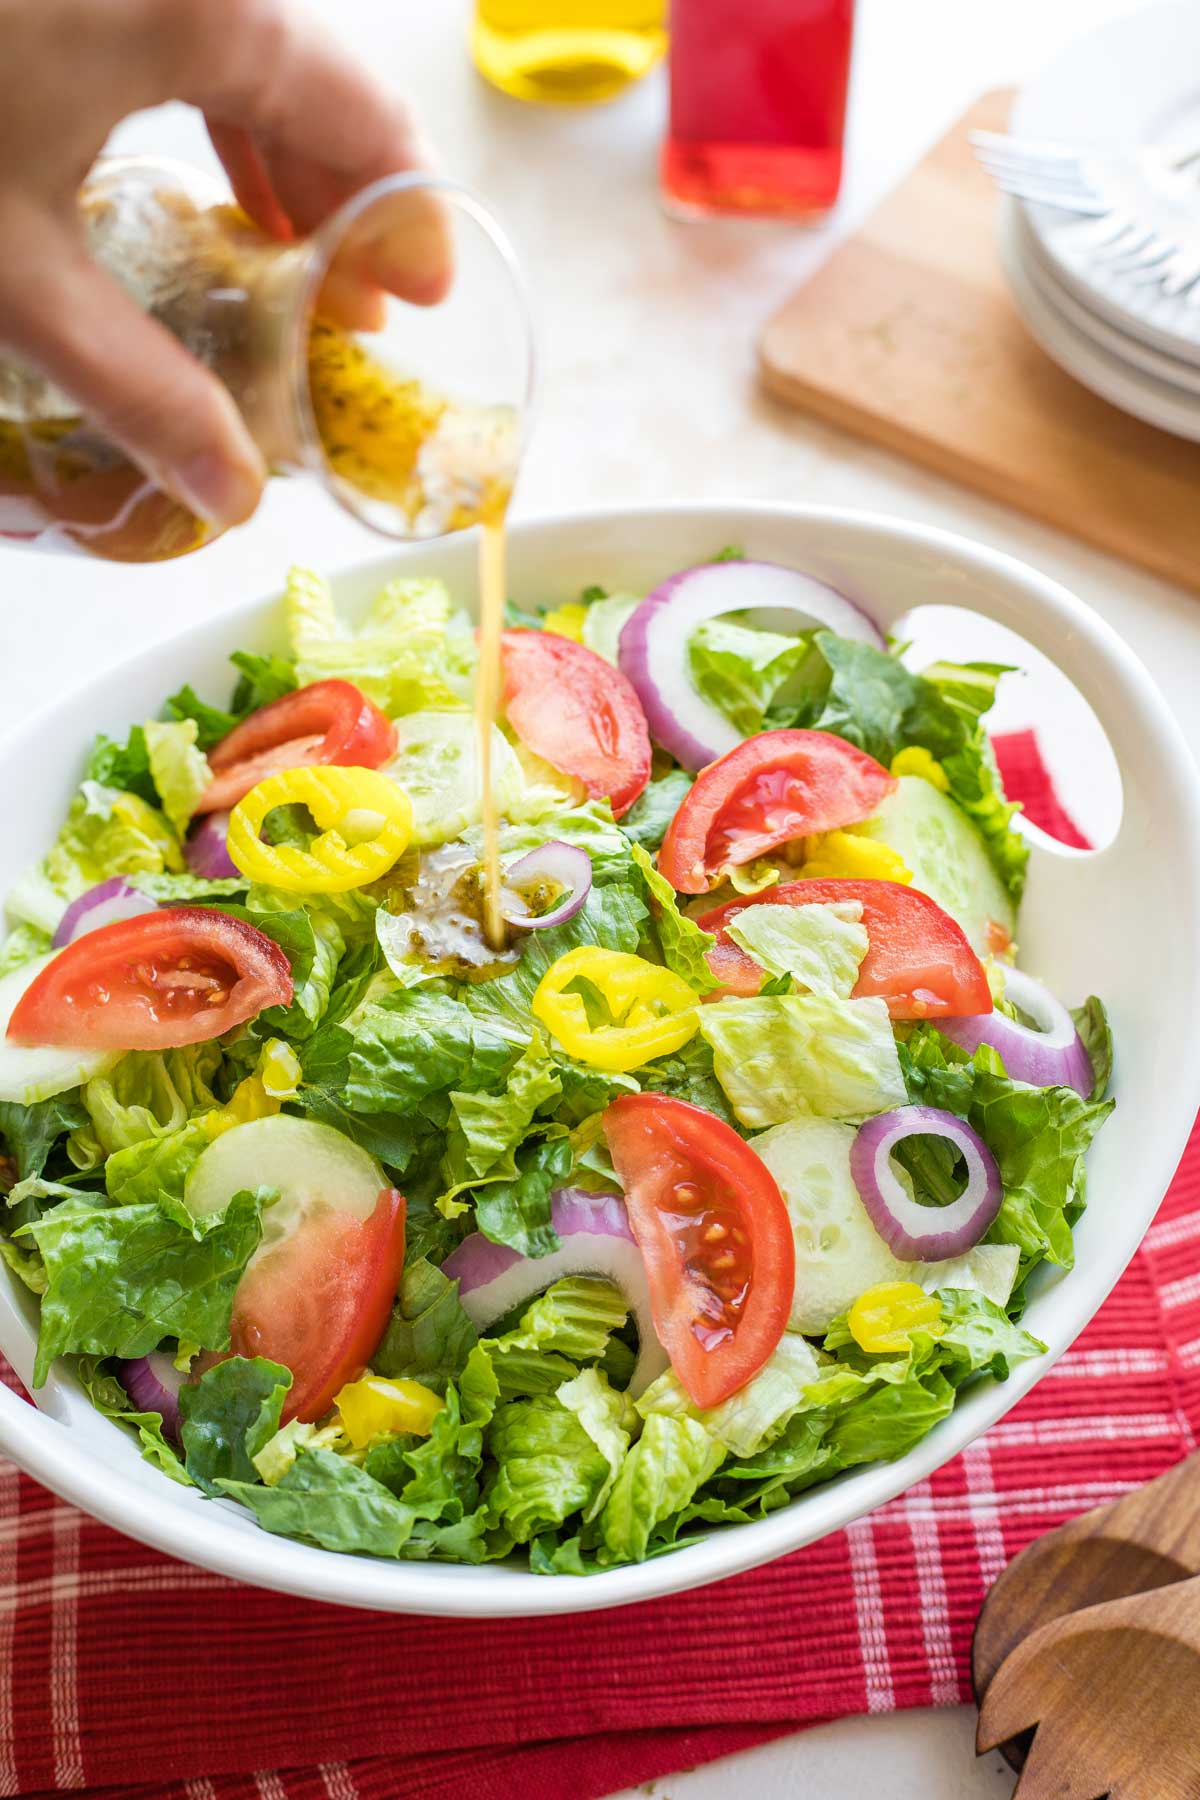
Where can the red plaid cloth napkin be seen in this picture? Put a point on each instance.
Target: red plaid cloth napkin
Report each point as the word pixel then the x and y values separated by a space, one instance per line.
pixel 134 1676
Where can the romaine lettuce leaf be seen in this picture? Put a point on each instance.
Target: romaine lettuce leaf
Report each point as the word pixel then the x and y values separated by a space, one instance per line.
pixel 261 679
pixel 610 1421
pixel 148 1094
pixel 429 1335
pixel 783 1054
pixel 683 943
pixel 29 1133
pixel 739 669
pixel 21 946
pixel 647 819
pixel 179 770
pixel 547 1466
pixel 516 1210
pixel 661 1473
pixel 120 1279
pixel 757 1412
pixel 330 1501
pixel 416 1044
pixel 108 832
pixel 108 1396
pixel 156 1169
pixel 228 1416
pixel 493 1124
pixel 819 947
pixel 411 650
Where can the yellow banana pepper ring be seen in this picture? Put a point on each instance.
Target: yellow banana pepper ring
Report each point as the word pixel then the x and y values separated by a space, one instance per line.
pixel 364 820
pixel 653 1012
pixel 882 1319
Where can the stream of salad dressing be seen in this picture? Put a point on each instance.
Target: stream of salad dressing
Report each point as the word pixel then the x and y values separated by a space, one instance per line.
pixel 487 705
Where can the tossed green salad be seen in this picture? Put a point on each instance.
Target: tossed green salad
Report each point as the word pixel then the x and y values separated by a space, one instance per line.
pixel 721 1169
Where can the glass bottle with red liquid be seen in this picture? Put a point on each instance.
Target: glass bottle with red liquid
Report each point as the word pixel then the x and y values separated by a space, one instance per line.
pixel 758 106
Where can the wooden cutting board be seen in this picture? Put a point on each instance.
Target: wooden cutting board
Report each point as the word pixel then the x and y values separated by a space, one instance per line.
pixel 908 336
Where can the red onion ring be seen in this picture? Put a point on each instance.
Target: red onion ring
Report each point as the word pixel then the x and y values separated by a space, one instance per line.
pixel 654 643
pixel 596 1240
pixel 153 1383
pixel 564 864
pixel 204 850
pixel 912 1231
pixel 1052 1056
pixel 103 904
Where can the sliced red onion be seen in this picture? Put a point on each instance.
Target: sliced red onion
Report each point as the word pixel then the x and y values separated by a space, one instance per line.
pixel 654 643
pixel 205 850
pixel 153 1383
pixel 565 865
pixel 1053 1055
pixel 596 1240
pixel 910 1230
pixel 102 905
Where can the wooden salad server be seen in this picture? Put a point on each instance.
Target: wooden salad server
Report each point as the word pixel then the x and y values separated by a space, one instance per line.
pixel 1114 1691
pixel 1141 1542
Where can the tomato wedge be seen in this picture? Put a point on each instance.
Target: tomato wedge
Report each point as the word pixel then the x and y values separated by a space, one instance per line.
pixel 180 976
pixel 574 709
pixel 776 786
pixel 328 722
pixel 714 1232
pixel 319 1300
pixel 918 958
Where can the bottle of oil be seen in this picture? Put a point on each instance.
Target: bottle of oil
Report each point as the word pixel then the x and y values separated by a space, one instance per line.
pixel 569 51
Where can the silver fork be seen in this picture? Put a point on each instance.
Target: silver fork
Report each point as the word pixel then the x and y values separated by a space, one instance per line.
pixel 1146 202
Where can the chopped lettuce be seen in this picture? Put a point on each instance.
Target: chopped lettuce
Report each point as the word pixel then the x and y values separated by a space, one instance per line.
pixel 785 1054
pixel 740 670
pixel 108 832
pixel 411 651
pixel 330 1501
pixel 819 947
pixel 179 770
pixel 671 1459
pixel 683 943
pixel 757 1412
pixel 108 1396
pixel 149 1094
pixel 647 819
pixel 122 1278
pixel 29 1133
pixel 228 1416
pixel 429 1336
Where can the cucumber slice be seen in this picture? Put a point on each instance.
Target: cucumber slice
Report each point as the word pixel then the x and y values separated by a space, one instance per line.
pixel 839 1253
pixel 313 1166
pixel 437 765
pixel 33 1072
pixel 947 858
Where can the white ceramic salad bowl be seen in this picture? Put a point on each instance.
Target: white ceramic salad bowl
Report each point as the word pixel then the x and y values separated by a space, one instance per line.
pixel 1122 922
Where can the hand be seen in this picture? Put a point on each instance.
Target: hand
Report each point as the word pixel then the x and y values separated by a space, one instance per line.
pixel 299 125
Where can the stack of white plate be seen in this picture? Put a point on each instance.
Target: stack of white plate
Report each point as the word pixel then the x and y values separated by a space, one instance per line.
pixel 1132 81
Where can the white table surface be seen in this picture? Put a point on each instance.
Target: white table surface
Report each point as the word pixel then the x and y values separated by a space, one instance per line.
pixel 648 347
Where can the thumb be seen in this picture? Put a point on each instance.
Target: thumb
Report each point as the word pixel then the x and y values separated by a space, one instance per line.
pixel 130 377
